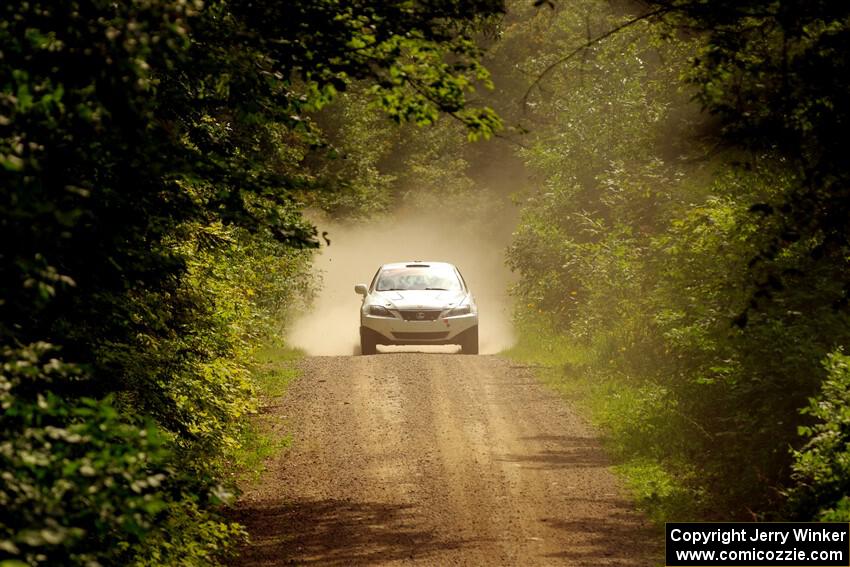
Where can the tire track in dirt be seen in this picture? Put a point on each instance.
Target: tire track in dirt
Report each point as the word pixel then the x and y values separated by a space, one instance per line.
pixel 436 459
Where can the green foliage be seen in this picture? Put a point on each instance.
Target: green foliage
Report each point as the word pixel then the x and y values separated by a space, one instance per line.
pixel 701 282
pixel 189 535
pixel 154 156
pixel 822 465
pixel 83 482
pixel 659 492
pixel 354 184
pixel 380 167
pixel 274 368
pixel 776 75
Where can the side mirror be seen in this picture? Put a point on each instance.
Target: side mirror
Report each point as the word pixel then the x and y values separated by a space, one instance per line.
pixel 361 289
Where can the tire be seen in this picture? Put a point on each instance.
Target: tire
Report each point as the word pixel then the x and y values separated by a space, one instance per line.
pixel 368 343
pixel 469 341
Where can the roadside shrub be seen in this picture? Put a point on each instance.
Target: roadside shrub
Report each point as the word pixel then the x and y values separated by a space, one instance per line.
pixel 822 466
pixel 86 482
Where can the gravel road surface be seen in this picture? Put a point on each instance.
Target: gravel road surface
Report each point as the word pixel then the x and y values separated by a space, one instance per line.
pixel 436 459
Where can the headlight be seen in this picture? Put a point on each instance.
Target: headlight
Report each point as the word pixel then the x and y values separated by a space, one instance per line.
pixel 379 311
pixel 462 310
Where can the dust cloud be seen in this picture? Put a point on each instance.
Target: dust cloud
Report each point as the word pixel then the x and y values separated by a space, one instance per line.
pixel 356 251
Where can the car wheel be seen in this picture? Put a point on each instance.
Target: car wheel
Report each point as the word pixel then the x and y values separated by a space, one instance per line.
pixel 368 343
pixel 469 341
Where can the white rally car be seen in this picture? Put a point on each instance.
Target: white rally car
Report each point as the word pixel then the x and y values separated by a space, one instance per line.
pixel 417 303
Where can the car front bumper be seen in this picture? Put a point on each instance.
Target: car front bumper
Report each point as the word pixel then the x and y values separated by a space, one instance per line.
pixel 397 331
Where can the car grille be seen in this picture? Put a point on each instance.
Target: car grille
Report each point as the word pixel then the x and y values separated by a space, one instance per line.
pixel 419 314
pixel 421 336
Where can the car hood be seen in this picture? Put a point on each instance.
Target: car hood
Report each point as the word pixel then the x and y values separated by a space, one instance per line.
pixel 420 299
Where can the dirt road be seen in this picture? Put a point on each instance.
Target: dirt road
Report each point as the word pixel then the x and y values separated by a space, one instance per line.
pixel 436 459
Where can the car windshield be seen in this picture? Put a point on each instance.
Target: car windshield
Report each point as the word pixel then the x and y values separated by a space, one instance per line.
pixel 418 278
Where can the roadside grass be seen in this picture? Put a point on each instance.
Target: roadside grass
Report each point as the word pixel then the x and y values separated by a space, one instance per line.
pixel 638 430
pixel 262 436
pixel 276 368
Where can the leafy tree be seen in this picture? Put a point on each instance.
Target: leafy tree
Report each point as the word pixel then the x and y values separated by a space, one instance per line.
pixel 693 261
pixel 149 232
pixel 775 73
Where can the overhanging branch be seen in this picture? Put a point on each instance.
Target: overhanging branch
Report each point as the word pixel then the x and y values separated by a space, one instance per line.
pixel 591 42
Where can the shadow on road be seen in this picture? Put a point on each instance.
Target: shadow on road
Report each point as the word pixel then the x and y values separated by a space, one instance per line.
pixel 560 451
pixel 613 540
pixel 334 532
